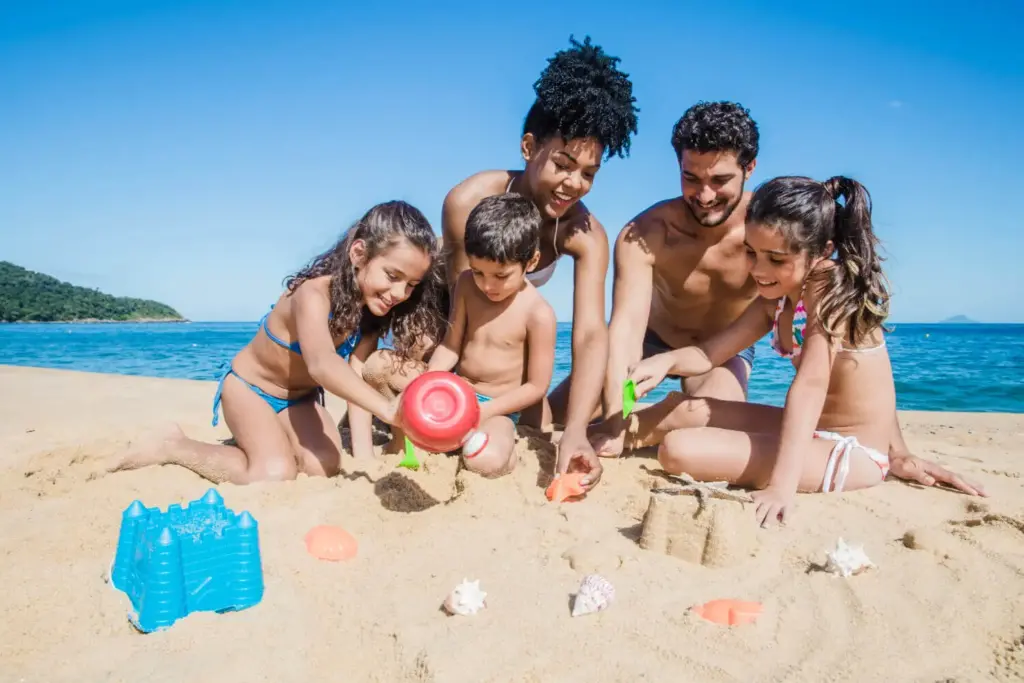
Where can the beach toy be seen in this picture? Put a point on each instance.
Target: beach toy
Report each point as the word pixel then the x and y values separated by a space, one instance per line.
pixel 331 543
pixel 465 599
pixel 628 398
pixel 438 410
pixel 565 487
pixel 729 612
pixel 200 558
pixel 594 595
pixel 409 459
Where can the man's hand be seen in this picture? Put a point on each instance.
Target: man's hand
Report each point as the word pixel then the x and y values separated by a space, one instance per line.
pixel 650 372
pixel 928 473
pixel 575 454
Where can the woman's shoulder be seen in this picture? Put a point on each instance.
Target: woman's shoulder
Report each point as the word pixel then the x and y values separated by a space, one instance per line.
pixel 579 231
pixel 470 191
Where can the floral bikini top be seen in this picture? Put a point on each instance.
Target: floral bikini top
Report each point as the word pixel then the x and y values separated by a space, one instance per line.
pixel 799 323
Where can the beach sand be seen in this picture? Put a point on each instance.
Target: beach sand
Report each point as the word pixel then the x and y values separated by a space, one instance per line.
pixel 944 602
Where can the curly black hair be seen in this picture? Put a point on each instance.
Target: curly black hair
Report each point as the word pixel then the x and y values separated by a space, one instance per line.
pixel 717 127
pixel 380 228
pixel 581 94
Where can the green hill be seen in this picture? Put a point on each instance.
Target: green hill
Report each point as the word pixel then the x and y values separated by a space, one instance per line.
pixel 27 296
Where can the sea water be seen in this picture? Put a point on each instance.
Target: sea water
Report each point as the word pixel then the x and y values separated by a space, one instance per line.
pixel 971 368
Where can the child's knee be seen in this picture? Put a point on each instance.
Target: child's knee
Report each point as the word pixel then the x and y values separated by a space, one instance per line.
pixel 674 454
pixel 687 411
pixel 376 369
pixel 282 468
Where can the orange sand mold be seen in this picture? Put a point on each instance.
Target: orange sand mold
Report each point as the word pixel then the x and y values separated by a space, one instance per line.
pixel 729 612
pixel 331 543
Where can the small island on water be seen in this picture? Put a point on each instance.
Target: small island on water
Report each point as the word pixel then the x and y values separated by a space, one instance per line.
pixel 962 319
pixel 27 296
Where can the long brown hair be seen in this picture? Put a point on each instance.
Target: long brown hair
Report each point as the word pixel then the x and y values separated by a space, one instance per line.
pixel 380 228
pixel 809 215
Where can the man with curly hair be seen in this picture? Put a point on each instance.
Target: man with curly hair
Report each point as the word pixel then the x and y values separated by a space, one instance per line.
pixel 681 276
pixel 583 113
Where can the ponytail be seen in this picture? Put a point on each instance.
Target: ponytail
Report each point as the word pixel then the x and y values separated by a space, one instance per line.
pixel 809 214
pixel 858 297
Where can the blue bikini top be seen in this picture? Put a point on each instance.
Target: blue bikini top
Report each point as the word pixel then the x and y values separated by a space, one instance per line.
pixel 345 350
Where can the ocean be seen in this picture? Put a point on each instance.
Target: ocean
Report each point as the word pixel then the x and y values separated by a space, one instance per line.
pixel 969 368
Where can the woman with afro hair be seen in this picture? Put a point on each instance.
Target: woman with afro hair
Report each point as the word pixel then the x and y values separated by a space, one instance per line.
pixel 583 113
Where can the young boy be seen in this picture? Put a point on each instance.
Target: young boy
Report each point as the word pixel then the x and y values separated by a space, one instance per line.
pixel 501 334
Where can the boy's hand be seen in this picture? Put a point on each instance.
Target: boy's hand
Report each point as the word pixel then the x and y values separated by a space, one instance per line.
pixel 773 505
pixel 575 454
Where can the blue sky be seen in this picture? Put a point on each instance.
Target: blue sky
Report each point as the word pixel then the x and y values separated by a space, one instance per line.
pixel 198 152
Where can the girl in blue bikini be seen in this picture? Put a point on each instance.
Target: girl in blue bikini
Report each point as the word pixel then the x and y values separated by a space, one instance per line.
pixel 314 339
pixel 823 297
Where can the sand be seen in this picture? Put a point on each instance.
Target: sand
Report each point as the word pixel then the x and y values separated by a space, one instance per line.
pixel 944 602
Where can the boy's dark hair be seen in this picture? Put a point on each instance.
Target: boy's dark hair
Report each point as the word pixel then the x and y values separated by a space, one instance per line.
pixel 717 127
pixel 581 94
pixel 504 228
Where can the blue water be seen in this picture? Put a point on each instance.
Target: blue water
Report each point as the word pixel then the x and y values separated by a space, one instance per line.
pixel 973 368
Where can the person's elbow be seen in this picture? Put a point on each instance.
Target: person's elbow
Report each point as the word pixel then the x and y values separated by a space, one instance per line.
pixel 590 335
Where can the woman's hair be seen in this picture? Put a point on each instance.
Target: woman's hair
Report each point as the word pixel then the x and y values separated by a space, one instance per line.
pixel 809 215
pixel 382 227
pixel 581 94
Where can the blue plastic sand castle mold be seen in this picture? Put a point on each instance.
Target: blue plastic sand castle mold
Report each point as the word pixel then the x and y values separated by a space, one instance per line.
pixel 200 558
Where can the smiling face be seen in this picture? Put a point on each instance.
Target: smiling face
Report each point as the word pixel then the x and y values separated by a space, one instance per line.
pixel 712 184
pixel 777 270
pixel 390 277
pixel 560 172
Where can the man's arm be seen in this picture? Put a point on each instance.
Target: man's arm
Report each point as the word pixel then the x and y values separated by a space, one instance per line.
pixel 631 307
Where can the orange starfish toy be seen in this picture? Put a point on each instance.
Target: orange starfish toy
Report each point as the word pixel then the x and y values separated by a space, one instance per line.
pixel 565 487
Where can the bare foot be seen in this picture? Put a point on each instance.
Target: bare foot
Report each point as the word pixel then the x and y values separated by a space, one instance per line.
pixel 152 448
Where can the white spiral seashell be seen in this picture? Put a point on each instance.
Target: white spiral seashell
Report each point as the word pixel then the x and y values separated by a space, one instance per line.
pixel 847 560
pixel 594 595
pixel 465 599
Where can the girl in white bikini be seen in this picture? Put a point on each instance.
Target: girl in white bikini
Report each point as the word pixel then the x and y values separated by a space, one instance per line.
pixel 823 296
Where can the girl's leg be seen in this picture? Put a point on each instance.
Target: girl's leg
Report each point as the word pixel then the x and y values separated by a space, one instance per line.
pixel 746 459
pixel 497 458
pixel 314 438
pixel 263 452
pixel 678 411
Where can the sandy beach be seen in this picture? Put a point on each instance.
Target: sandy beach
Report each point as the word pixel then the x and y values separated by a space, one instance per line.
pixel 944 602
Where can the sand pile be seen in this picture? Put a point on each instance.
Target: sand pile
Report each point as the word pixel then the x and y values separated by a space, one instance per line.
pixel 944 602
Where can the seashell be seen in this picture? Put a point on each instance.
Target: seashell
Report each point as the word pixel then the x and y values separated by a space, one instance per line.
pixel 594 595
pixel 465 599
pixel 847 560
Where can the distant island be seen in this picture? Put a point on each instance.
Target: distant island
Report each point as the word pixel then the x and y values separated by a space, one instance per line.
pixel 963 319
pixel 28 296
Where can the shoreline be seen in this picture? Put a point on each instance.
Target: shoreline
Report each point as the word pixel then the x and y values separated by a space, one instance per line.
pixel 94 321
